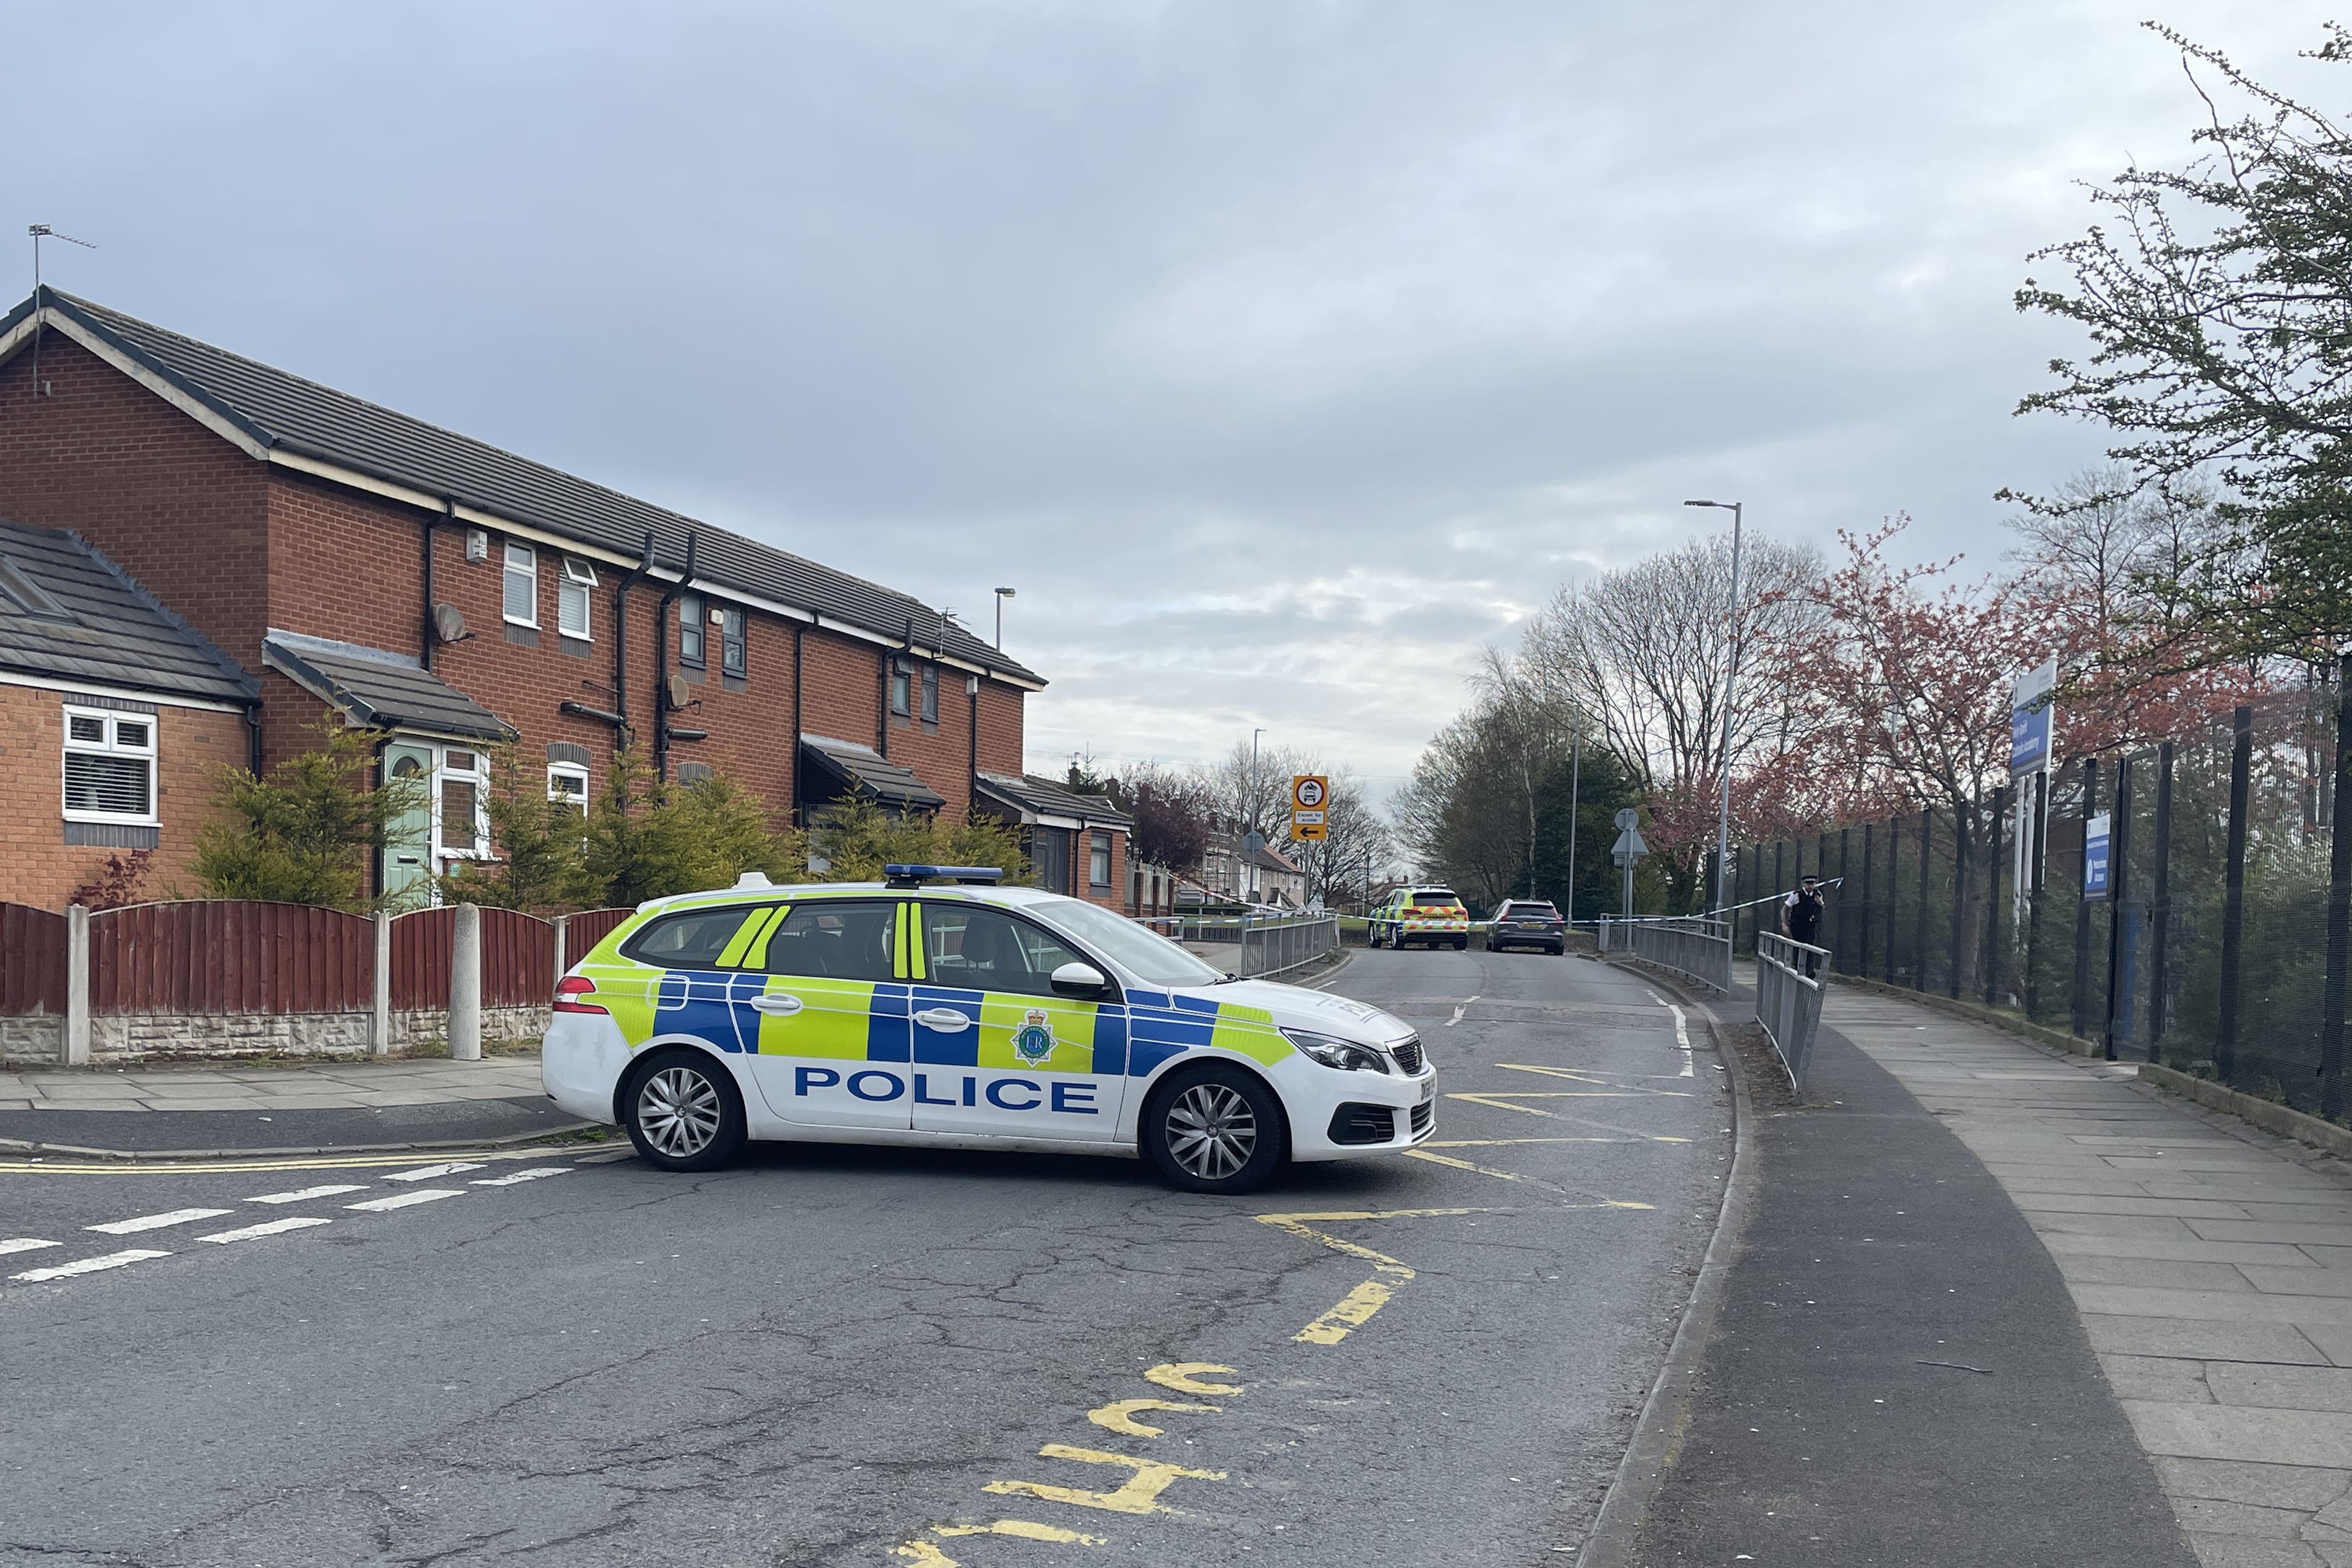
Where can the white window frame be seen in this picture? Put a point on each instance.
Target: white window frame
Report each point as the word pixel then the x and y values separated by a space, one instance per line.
pixel 575 772
pixel 109 722
pixel 479 777
pixel 525 566
pixel 573 589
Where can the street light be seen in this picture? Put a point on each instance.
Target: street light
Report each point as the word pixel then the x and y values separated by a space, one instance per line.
pixel 1723 821
pixel 1002 595
pixel 1254 828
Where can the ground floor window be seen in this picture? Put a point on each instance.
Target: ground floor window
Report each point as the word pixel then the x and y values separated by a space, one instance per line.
pixel 109 767
pixel 1098 860
pixel 568 782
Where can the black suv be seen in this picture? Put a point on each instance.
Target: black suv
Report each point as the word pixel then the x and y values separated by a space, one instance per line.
pixel 1527 922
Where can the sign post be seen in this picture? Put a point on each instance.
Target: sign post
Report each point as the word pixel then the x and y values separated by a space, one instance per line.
pixel 1628 848
pixel 1310 796
pixel 2032 720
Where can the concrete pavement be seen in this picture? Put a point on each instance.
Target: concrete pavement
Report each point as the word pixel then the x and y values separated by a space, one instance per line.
pixel 2210 1263
pixel 324 1104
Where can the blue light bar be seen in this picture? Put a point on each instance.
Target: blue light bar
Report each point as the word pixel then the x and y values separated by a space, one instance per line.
pixel 915 875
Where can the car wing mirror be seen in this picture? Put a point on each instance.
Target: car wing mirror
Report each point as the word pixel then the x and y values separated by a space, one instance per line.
pixel 1083 982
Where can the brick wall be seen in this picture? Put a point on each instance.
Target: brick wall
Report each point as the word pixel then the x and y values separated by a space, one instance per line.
pixel 237 546
pixel 37 865
pixel 176 506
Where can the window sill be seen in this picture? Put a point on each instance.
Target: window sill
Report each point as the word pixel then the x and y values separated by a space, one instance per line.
pixel 522 636
pixel 578 647
pixel 112 835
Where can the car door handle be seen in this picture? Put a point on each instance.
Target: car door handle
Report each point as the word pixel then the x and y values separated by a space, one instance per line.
pixel 947 1020
pixel 779 1004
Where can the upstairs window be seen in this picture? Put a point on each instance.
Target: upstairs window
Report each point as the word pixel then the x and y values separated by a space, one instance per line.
pixel 1098 860
pixel 931 693
pixel 110 764
pixel 690 634
pixel 731 652
pixel 521 605
pixel 901 677
pixel 572 597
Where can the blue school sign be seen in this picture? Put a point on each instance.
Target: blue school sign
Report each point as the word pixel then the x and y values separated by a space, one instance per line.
pixel 2095 857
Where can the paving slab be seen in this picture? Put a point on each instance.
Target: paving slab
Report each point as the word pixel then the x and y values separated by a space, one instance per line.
pixel 2218 1291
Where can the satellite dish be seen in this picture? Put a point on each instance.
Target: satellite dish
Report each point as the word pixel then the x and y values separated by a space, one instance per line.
pixel 680 692
pixel 448 623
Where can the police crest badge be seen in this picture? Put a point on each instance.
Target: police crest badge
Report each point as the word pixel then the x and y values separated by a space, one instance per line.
pixel 1033 1042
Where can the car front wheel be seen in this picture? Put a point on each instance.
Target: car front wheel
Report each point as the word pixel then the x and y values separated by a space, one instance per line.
pixel 1217 1129
pixel 682 1111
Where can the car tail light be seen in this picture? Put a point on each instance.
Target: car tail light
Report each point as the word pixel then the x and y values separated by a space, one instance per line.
pixel 570 989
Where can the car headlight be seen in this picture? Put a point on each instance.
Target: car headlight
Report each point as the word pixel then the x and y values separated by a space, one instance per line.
pixel 1332 1051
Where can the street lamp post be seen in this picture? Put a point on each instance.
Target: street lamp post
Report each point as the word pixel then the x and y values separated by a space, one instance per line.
pixel 1253 809
pixel 1002 595
pixel 1730 678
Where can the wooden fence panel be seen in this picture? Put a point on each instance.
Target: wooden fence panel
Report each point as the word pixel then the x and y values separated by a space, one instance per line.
pixel 32 961
pixel 224 956
pixel 590 927
pixel 420 958
pixel 518 959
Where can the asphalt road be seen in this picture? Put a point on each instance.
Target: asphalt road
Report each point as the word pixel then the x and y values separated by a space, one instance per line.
pixel 869 1357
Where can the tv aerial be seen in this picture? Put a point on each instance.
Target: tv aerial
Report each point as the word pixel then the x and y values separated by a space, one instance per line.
pixel 40 232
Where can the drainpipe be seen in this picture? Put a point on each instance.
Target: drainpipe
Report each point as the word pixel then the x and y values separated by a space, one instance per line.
pixel 971 690
pixel 253 738
pixel 432 632
pixel 661 661
pixel 620 639
pixel 800 814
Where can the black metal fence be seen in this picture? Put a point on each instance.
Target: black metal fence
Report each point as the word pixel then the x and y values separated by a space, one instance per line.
pixel 2220 949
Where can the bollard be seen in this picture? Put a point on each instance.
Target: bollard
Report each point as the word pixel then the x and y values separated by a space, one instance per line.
pixel 465 984
pixel 379 1025
pixel 76 1040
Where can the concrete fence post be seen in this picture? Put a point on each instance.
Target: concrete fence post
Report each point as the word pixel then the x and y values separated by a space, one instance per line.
pixel 465 984
pixel 380 1023
pixel 562 953
pixel 76 986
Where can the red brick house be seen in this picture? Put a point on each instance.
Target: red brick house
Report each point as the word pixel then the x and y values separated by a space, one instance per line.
pixel 448 594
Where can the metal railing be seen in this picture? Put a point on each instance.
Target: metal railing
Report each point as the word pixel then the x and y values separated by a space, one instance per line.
pixel 1700 949
pixel 1789 998
pixel 1263 945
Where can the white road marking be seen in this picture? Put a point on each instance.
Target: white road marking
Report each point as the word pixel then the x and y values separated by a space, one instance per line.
pixel 519 1177
pixel 304 1195
pixel 24 1244
pixel 1682 1034
pixel 1459 1012
pixel 268 1227
pixel 88 1265
pixel 434 1173
pixel 156 1221
pixel 408 1199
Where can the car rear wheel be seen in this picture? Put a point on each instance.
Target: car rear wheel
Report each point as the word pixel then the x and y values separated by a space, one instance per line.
pixel 682 1111
pixel 1462 944
pixel 1219 1129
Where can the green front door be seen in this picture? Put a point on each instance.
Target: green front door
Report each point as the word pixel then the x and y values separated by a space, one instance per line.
pixel 408 853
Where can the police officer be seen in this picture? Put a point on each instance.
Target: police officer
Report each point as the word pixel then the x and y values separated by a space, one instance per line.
pixel 1800 919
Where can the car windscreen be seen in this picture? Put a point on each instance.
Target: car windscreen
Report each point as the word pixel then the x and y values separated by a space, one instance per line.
pixel 1143 953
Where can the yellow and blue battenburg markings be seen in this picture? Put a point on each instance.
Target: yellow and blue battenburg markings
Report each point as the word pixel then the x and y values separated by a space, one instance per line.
pixel 873 1020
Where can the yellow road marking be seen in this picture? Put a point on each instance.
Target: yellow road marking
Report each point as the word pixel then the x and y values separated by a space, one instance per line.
pixel 1495 1143
pixel 1575 1077
pixel 1503 1101
pixel 303 1163
pixel 926 1555
pixel 1458 1164
pixel 1184 1376
pixel 1139 1493
pixel 1026 1528
pixel 1119 1416
pixel 1353 1311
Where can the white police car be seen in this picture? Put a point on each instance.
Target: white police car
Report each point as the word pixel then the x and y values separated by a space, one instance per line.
pixel 937 1009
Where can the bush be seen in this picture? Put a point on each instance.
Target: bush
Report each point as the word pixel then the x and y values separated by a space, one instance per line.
pixel 856 838
pixel 541 845
pixel 305 831
pixel 648 838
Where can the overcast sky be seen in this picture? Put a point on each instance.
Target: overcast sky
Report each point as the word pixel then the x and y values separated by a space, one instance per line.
pixel 1280 355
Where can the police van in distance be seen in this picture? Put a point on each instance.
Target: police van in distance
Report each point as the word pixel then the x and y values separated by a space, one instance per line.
pixel 937 1009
